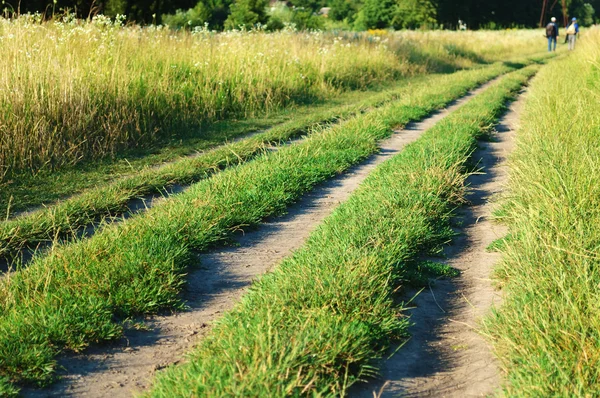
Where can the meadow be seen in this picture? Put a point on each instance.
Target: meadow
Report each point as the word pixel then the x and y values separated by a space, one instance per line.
pixel 546 332
pixel 151 251
pixel 73 92
pixel 330 307
pixel 96 114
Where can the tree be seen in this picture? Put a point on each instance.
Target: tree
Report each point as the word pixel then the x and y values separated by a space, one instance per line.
pixel 212 12
pixel 197 16
pixel 584 12
pixel 312 5
pixel 342 9
pixel 375 14
pixel 247 14
pixel 413 14
pixel 364 14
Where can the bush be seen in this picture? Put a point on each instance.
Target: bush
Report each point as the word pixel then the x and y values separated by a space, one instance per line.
pixel 342 10
pixel 300 18
pixel 246 14
pixel 211 12
pixel 375 14
pixel 197 16
pixel 414 14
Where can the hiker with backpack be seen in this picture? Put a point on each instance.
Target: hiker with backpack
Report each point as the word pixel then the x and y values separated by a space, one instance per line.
pixel 552 33
pixel 572 32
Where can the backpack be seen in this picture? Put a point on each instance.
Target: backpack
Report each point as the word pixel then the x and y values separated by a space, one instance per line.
pixel 571 30
pixel 550 30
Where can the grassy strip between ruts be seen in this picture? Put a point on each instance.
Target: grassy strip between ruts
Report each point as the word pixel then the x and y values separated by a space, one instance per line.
pixel 66 217
pixel 76 294
pixel 315 325
pixel 16 195
pixel 547 331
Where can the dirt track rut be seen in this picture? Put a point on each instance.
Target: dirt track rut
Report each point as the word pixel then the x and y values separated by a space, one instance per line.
pixel 127 366
pixel 446 357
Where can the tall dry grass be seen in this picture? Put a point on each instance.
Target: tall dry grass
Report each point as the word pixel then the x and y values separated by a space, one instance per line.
pixel 547 333
pixel 72 90
pixel 445 49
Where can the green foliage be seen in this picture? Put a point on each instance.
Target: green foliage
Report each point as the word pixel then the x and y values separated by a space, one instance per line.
pixel 311 5
pixel 375 14
pixel 7 390
pixel 115 7
pixel 315 325
pixel 73 296
pixel 305 19
pixel 343 9
pixel 422 274
pixel 211 12
pixel 588 15
pixel 281 16
pixel 246 14
pixel 413 14
pixel 197 16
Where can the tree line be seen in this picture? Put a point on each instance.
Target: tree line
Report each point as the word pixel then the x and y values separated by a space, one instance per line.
pixel 347 14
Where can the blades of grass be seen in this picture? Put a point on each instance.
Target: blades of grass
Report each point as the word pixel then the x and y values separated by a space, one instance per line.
pixel 60 220
pixel 73 296
pixel 546 333
pixel 315 324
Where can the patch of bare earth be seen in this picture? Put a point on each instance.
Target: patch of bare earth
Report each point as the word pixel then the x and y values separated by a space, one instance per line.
pixel 128 366
pixel 446 356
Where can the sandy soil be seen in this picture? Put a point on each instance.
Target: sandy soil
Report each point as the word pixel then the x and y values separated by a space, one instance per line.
pixel 128 366
pixel 446 356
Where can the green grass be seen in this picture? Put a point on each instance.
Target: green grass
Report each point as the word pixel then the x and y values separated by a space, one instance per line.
pixel 421 273
pixel 547 331
pixel 113 88
pixel 16 194
pixel 7 389
pixel 76 294
pixel 66 217
pixel 498 245
pixel 315 325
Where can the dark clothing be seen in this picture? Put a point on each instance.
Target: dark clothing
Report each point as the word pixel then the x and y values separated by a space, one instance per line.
pixel 552 30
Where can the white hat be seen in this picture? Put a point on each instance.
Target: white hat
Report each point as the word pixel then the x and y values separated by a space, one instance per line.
pixel 553 19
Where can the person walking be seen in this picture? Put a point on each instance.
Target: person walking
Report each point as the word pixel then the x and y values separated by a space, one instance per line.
pixel 552 34
pixel 572 32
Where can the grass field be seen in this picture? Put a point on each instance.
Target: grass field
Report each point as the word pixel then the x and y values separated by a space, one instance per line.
pixel 329 309
pixel 71 180
pixel 151 251
pixel 94 115
pixel 113 88
pixel 547 331
pixel 68 216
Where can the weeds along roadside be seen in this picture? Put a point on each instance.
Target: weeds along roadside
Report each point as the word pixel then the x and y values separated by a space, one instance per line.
pixel 315 325
pixel 67 217
pixel 77 294
pixel 547 331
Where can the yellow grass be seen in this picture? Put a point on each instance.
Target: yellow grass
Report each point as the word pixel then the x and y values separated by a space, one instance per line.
pixel 72 90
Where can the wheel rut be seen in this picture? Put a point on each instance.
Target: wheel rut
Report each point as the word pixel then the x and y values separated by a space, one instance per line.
pixel 127 366
pixel 445 355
